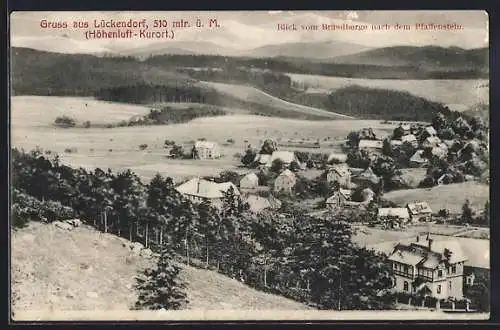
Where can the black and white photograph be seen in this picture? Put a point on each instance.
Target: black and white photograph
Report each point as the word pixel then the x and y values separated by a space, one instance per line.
pixel 249 165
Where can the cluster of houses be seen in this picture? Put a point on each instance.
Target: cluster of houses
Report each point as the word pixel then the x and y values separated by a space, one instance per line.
pixel 400 217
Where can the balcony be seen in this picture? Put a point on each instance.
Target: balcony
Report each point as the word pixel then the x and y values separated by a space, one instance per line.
pixel 402 273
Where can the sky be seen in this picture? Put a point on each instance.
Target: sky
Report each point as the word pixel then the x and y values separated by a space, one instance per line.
pixel 252 29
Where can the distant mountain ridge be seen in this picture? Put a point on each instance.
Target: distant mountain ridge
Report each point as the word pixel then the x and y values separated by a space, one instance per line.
pixel 427 57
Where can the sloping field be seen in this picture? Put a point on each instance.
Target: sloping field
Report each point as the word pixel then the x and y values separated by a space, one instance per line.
pixel 457 93
pixel 450 197
pixel 41 111
pixel 252 94
pixel 84 269
pixel 118 148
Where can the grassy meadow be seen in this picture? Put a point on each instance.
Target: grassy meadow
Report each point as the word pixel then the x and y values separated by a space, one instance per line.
pixel 118 148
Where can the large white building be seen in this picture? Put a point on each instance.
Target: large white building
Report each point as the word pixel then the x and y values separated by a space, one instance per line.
pixel 198 190
pixel 428 267
pixel 207 150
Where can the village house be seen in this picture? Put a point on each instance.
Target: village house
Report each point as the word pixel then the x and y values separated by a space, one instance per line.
pixel 343 199
pixel 470 254
pixel 249 182
pixel 406 128
pixel 285 182
pixel 441 150
pixel 366 179
pixel 207 150
pixel 411 139
pixel 258 204
pixel 262 159
pixel 417 160
pixel 430 268
pixel 338 199
pixel 336 158
pixel 419 211
pixel 370 144
pixel 339 173
pixel 396 143
pixel 287 157
pixel 431 142
pixel 198 190
pixel 430 131
pixel 393 217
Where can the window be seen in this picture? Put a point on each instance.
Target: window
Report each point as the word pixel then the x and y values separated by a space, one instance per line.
pixel 449 285
pixel 440 273
pixel 394 265
pixel 405 286
pixel 453 269
pixel 438 288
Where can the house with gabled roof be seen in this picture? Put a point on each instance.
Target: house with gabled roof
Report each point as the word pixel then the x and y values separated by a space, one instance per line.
pixel 249 181
pixel 258 204
pixel 366 179
pixel 417 160
pixel 198 190
pixel 207 150
pixel 370 144
pixel 339 173
pixel 285 182
pixel 287 157
pixel 411 139
pixel 431 142
pixel 394 217
pixel 431 131
pixel 419 211
pixel 429 268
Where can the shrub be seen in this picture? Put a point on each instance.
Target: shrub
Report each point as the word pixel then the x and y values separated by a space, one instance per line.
pixel 143 146
pixel 65 121
pixel 230 141
pixel 86 124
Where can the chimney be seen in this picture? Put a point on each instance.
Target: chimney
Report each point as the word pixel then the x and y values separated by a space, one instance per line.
pixel 418 238
pixel 430 243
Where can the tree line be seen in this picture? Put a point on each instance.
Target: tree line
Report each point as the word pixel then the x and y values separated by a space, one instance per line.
pixel 307 259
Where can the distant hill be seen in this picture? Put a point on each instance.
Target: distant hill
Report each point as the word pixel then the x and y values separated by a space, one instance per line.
pixel 309 50
pixel 178 48
pixel 481 110
pixel 427 57
pixel 46 73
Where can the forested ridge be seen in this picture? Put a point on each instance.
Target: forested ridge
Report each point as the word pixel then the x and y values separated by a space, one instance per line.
pixel 304 258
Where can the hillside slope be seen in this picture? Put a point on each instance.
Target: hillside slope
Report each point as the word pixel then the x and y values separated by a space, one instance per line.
pixel 84 269
pixel 252 94
pixel 47 73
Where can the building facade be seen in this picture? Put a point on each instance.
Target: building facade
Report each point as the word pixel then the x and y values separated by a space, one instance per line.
pixel 285 182
pixel 428 268
pixel 339 173
pixel 207 150
pixel 419 212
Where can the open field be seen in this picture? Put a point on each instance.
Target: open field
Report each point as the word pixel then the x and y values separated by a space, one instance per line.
pixel 85 270
pixel 450 197
pixel 458 94
pixel 32 127
pixel 252 94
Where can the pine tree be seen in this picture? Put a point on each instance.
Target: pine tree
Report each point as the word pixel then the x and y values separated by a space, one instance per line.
pixel 466 212
pixel 160 288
